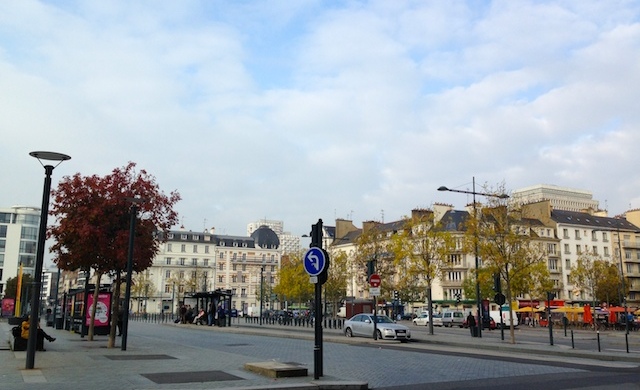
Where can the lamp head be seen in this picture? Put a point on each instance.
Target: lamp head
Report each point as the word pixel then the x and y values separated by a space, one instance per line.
pixel 443 188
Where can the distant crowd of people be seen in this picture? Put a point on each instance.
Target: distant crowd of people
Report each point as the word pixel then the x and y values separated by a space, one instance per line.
pixel 214 316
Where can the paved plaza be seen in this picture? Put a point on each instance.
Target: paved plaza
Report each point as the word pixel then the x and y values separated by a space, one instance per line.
pixel 170 356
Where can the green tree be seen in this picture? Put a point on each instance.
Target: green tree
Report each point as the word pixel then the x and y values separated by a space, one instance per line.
pixel 293 281
pixel 421 250
pixel 587 272
pixel 335 287
pixel 373 245
pixel 608 285
pixel 93 216
pixel 507 249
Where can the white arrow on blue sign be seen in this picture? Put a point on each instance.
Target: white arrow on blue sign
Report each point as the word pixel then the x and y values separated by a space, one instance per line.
pixel 314 261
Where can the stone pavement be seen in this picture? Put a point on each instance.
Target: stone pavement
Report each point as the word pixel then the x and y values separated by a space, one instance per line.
pixel 151 362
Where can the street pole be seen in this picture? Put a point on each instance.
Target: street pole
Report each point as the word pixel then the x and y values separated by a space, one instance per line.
pixel 127 294
pixel 37 275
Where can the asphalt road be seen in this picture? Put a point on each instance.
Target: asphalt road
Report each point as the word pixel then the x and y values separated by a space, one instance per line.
pixel 392 365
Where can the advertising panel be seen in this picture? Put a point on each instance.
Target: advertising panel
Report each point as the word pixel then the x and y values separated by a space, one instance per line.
pixel 7 307
pixel 103 309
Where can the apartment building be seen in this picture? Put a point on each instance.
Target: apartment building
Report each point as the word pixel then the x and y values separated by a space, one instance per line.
pixel 603 236
pixel 204 261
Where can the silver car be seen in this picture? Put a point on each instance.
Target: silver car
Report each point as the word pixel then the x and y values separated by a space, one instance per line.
pixel 386 328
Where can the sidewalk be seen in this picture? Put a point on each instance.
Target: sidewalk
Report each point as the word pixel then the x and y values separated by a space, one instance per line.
pixel 74 361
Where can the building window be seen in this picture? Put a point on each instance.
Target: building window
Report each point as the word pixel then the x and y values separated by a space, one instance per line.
pixel 168 261
pixel 244 257
pixel 244 267
pixel 184 237
pixel 566 249
pixel 194 261
pixel 568 264
pixel 221 255
pixel 182 260
pixel 167 288
pixel 194 274
pixel 221 266
pixel 578 250
pixel 551 249
pixel 169 247
pixel 606 251
pixel 181 275
pixel 183 248
pixel 220 279
pixel 565 233
pixel 206 262
pixel 553 264
pixel 196 238
pixel 234 279
pixel 206 249
pixel 455 259
pixel 605 237
pixel 577 234
pixel 595 250
pixel 167 274
pixel 594 236
pixel 627 254
pixel 273 268
pixel 243 292
pixel 195 249
pixel 243 278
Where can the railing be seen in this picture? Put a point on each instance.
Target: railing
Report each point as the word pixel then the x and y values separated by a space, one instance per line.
pixel 302 322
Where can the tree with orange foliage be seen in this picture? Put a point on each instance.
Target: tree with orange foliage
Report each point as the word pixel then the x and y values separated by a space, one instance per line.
pixel 93 221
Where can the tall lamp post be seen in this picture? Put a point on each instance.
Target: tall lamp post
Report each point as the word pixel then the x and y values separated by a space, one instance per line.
pixel 475 217
pixel 37 275
pixel 127 295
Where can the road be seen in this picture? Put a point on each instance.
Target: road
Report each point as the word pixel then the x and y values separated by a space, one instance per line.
pixel 578 339
pixel 391 365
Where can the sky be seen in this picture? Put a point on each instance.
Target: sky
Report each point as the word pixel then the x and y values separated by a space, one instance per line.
pixel 300 110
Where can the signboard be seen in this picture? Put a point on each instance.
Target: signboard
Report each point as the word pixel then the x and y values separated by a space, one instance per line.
pixel 374 280
pixel 314 261
pixel 102 309
pixel 375 291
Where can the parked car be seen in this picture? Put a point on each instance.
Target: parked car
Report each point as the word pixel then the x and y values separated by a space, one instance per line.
pixel 386 328
pixel 423 319
pixel 453 318
pixel 489 323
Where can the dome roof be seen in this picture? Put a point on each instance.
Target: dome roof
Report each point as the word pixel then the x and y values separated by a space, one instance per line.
pixel 264 237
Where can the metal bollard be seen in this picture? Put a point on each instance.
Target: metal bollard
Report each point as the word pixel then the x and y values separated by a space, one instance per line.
pixel 598 335
pixel 573 346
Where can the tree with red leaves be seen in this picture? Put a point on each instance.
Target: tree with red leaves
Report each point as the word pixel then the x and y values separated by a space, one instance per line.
pixel 93 221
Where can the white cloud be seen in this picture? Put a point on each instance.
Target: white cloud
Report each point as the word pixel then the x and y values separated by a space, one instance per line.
pixel 307 110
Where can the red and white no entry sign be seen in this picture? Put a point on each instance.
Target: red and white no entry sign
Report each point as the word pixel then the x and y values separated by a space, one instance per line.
pixel 374 280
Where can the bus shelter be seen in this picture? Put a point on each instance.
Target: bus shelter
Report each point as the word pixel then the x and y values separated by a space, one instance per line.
pixel 211 300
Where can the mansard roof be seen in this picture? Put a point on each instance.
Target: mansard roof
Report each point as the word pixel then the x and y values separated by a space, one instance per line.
pixel 588 220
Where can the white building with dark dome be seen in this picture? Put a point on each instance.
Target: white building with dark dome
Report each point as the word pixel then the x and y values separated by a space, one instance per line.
pixel 204 261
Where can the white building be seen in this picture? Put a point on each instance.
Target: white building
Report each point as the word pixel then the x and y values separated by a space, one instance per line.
pixel 203 261
pixel 19 227
pixel 561 198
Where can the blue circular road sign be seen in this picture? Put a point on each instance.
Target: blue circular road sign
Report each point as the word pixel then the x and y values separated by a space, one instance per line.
pixel 314 261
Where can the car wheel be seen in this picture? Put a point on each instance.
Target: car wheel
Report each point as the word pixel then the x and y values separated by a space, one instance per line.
pixel 415 323
pixel 379 334
pixel 348 333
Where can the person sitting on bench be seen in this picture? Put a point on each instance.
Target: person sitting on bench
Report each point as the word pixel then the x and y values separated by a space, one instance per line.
pixel 40 336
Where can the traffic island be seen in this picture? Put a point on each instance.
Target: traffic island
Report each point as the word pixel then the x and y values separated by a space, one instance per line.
pixel 277 369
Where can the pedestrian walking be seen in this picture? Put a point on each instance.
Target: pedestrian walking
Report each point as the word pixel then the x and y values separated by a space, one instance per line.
pixel 471 322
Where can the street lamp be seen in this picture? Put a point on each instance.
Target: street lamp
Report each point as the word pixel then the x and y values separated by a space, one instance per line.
pixel 37 275
pixel 127 295
pixel 475 217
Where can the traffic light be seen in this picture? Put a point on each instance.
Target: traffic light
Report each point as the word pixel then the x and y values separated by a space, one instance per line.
pixel 396 295
pixel 371 268
pixel 497 285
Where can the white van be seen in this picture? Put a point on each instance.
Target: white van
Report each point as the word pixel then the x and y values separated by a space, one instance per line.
pixel 495 314
pixel 452 318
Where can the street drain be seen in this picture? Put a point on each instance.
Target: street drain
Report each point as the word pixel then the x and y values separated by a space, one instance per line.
pixel 139 357
pixel 190 377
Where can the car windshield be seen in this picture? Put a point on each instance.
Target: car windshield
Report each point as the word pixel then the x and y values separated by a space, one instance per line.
pixel 383 320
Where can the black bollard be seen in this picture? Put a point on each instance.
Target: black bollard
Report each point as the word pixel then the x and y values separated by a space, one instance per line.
pixel 598 335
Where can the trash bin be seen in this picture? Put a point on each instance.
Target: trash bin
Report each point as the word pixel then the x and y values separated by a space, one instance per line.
pixel 59 322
